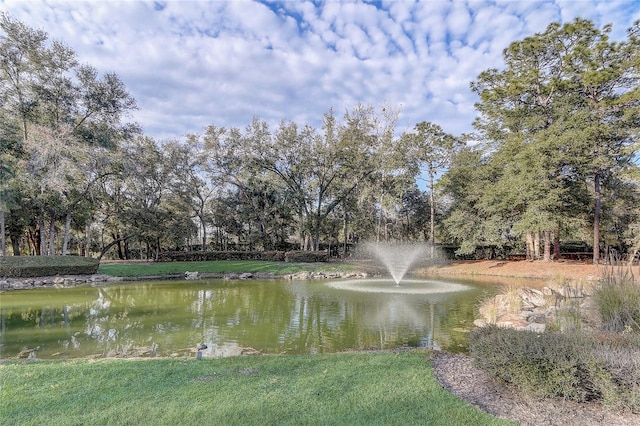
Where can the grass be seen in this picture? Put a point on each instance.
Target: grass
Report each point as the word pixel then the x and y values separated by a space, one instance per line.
pixel 139 269
pixel 618 300
pixel 355 389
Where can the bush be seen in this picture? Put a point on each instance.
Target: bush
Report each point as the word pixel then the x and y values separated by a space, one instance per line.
pixel 546 365
pixel 42 266
pixel 620 355
pixel 618 299
pixel 306 256
pixel 196 256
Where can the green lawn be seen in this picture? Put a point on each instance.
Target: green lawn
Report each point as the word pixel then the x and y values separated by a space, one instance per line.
pixel 340 389
pixel 221 266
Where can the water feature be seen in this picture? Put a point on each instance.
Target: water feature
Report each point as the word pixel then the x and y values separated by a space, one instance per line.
pixel 398 258
pixel 171 318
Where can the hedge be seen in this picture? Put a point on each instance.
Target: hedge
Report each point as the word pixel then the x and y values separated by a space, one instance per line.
pixel 196 256
pixel 43 266
pixel 273 256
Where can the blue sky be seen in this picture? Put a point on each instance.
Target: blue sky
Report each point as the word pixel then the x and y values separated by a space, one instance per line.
pixel 190 64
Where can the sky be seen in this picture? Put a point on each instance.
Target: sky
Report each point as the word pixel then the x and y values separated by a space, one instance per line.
pixel 190 64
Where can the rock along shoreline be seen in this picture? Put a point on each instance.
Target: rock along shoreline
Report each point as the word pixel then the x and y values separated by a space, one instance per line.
pixel 68 281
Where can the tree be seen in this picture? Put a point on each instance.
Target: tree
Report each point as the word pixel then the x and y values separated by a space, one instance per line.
pixel 68 117
pixel 429 150
pixel 467 222
pixel 188 162
pixel 556 113
pixel 603 74
pixel 315 172
pixel 148 215
pixel 29 65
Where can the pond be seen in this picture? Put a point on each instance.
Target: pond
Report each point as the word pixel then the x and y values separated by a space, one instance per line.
pixel 171 318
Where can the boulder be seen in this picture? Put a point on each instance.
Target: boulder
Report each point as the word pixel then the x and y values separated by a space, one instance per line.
pixel 532 297
pixel 191 275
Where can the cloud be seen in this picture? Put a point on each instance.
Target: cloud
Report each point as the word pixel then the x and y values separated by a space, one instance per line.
pixel 191 64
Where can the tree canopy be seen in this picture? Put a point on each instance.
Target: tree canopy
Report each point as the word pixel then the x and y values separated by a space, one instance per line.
pixel 553 161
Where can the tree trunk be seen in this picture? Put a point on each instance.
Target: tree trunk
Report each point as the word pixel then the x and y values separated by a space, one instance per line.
pixel 3 240
pixel 204 232
pixel 87 240
pixel 547 246
pixel 67 226
pixel 556 243
pixel 379 228
pixel 529 244
pixel 596 218
pixel 345 235
pixel 52 234
pixel 15 244
pixel 43 236
pixel 432 235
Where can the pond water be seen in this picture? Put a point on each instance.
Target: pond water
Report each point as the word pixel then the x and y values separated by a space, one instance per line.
pixel 171 318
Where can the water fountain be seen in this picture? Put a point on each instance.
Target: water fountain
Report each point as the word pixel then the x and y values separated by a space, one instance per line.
pixel 397 258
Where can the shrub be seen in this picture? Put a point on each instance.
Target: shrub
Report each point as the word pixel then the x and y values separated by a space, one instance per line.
pixel 620 355
pixel 546 365
pixel 617 297
pixel 306 256
pixel 42 266
pixel 195 256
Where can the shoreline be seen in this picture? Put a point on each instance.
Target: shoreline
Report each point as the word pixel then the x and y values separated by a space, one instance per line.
pixel 482 270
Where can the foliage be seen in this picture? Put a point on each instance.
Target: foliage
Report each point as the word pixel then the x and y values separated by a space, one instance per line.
pixel 576 366
pixel 192 256
pixel 306 256
pixel 554 158
pixel 548 365
pixel 355 389
pixel 620 355
pixel 62 123
pixel 429 149
pixel 43 266
pixel 617 297
pixel 555 139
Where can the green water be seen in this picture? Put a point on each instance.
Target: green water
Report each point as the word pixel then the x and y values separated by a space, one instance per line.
pixel 170 318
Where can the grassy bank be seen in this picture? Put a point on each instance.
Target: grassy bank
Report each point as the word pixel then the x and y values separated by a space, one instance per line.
pixel 389 388
pixel 139 269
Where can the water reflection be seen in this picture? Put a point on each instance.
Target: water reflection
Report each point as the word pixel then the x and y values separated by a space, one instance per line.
pixel 231 317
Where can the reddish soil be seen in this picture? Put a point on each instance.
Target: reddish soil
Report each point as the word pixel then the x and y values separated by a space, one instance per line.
pixel 547 271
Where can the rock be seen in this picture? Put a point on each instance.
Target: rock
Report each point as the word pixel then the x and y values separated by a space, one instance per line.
pixel 532 297
pixel 548 291
pixel 191 275
pixel 536 318
pixel 246 276
pixel 572 292
pixel 98 278
pixel 512 321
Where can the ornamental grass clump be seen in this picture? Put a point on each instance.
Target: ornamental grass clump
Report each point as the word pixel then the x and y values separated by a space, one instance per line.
pixel 617 297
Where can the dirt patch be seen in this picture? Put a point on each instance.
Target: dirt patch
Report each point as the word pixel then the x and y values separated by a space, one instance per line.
pixel 561 270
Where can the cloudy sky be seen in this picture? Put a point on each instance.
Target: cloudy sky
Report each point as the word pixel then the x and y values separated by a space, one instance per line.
pixel 194 63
